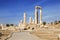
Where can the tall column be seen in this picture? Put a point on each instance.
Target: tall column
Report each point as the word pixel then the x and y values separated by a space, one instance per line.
pixel 33 22
pixel 30 20
pixel 40 15
pixel 24 18
pixel 36 15
pixel 2 26
pixel 20 23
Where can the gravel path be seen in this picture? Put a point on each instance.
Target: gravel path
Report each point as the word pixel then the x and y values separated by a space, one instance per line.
pixel 23 36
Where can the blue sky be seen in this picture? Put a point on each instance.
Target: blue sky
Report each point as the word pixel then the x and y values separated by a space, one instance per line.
pixel 11 11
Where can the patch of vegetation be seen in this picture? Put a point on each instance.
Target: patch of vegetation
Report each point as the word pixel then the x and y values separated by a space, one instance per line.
pixel 11 24
pixel 25 28
pixel 28 27
pixel 7 25
pixel 56 22
pixel 44 23
pixel 0 27
pixel 0 34
pixel 32 28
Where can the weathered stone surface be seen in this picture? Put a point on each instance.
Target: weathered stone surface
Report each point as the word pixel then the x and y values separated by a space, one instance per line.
pixel 23 36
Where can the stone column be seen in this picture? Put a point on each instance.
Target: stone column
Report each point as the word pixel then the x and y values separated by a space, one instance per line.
pixel 30 20
pixel 36 15
pixel 40 15
pixel 2 26
pixel 33 22
pixel 20 23
pixel 24 21
pixel 24 18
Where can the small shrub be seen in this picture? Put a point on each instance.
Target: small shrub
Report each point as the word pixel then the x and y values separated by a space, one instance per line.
pixel 28 27
pixel 7 25
pixel 32 28
pixel 0 34
pixel 44 23
pixel 25 28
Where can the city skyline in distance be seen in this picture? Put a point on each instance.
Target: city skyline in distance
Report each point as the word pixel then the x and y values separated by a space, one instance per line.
pixel 11 11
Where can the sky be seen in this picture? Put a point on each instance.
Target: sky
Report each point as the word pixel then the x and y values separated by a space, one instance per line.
pixel 12 11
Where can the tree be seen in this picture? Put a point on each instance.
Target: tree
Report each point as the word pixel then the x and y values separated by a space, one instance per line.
pixel 7 25
pixel 25 28
pixel 51 23
pixel 0 34
pixel 44 23
pixel 32 28
pixel 28 27
pixel 55 22
pixel 11 24
pixel 0 27
pixel 58 21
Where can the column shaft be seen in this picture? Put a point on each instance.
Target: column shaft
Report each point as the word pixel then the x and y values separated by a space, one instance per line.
pixel 36 16
pixel 30 20
pixel 40 15
pixel 24 18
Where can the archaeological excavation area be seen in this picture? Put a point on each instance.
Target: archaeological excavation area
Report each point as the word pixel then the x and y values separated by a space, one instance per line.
pixel 33 30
